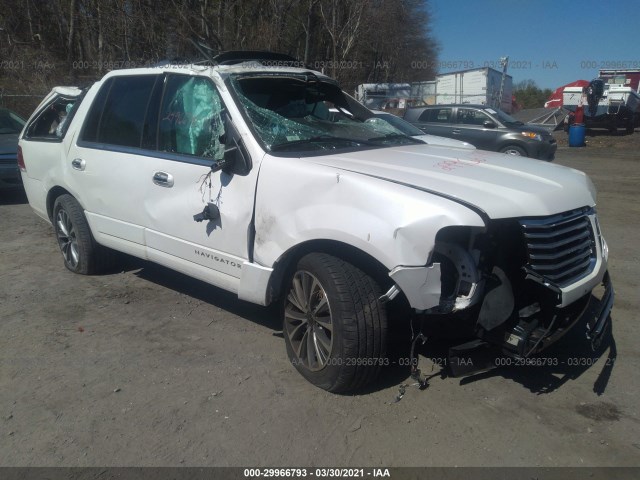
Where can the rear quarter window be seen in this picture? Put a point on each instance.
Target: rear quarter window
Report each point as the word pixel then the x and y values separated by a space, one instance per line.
pixel 52 122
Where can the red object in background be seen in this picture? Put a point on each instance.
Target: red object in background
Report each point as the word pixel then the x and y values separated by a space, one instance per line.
pixel 579 117
pixel 515 106
pixel 555 100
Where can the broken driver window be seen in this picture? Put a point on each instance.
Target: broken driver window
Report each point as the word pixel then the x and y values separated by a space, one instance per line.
pixel 191 118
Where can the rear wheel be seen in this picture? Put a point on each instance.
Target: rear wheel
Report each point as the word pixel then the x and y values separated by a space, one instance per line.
pixel 334 325
pixel 630 127
pixel 80 252
pixel 514 150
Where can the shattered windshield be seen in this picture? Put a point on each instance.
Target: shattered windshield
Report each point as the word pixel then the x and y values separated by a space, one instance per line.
pixel 301 113
pixel 398 123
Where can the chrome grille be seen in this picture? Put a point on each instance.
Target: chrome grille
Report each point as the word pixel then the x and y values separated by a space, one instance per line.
pixel 560 248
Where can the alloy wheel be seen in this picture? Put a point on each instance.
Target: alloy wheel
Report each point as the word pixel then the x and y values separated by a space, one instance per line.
pixel 67 239
pixel 307 320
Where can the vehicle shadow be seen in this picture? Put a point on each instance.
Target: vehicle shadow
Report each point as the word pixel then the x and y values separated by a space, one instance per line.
pixel 396 372
pixel 13 196
pixel 567 360
pixel 601 132
pixel 264 316
pixel 564 361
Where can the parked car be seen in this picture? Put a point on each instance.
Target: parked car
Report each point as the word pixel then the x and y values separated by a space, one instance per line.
pixel 10 126
pixel 397 124
pixel 237 174
pixel 389 124
pixel 484 127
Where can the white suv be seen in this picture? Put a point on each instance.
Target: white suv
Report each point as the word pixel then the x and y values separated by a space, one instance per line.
pixel 238 174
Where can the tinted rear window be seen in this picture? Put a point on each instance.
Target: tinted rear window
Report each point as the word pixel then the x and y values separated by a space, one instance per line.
pixel 120 119
pixel 436 115
pixel 90 129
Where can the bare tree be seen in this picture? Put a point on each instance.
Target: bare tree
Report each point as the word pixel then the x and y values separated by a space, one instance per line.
pixel 342 22
pixel 72 41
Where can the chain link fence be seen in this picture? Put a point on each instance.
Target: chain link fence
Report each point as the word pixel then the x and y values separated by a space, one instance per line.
pixel 22 104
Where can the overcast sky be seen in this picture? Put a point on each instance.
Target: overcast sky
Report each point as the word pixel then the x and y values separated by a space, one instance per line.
pixel 552 42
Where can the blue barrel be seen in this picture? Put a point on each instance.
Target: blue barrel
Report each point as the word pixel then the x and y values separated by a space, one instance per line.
pixel 576 135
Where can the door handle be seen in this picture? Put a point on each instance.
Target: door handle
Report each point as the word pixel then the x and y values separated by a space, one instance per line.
pixel 163 179
pixel 78 164
pixel 455 130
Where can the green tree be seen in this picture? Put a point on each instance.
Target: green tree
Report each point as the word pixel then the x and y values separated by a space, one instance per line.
pixel 529 95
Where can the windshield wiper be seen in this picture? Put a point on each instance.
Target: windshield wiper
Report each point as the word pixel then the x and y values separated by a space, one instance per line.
pixel 319 139
pixel 394 136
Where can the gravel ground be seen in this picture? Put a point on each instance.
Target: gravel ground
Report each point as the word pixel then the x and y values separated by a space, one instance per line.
pixel 148 367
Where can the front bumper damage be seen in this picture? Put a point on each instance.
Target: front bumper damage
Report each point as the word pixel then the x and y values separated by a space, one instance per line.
pixel 597 326
pixel 520 344
pixel 524 282
pixel 523 342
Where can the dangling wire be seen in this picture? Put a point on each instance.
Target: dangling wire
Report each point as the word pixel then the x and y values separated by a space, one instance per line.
pixel 218 199
pixel 205 182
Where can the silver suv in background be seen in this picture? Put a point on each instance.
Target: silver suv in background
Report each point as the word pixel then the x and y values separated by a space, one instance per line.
pixel 484 127
pixel 402 126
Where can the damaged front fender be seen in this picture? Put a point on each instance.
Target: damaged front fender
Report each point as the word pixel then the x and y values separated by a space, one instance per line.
pixel 394 224
pixel 450 283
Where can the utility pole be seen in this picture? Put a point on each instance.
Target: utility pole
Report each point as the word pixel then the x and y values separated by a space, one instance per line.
pixel 504 62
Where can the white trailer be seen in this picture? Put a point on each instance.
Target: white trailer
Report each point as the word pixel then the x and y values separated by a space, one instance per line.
pixel 478 86
pixel 375 95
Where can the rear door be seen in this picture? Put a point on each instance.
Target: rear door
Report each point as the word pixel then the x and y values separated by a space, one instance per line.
pixel 109 161
pixel 436 121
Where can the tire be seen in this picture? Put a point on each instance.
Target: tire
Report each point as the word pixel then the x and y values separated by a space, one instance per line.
pixel 513 150
pixel 80 252
pixel 630 128
pixel 334 326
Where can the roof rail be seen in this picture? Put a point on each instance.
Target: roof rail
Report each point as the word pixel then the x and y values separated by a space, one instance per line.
pixel 232 57
pixel 238 56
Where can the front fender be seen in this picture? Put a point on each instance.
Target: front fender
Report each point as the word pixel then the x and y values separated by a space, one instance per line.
pixel 395 224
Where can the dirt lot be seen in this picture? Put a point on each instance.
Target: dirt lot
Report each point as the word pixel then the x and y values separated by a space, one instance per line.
pixel 148 367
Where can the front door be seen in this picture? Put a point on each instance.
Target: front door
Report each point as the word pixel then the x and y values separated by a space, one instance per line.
pixel 144 170
pixel 190 135
pixel 470 127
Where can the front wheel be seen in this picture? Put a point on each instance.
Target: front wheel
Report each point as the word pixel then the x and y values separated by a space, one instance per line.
pixel 334 325
pixel 514 150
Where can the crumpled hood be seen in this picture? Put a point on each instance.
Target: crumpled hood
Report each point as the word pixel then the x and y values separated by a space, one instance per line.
pixel 503 186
